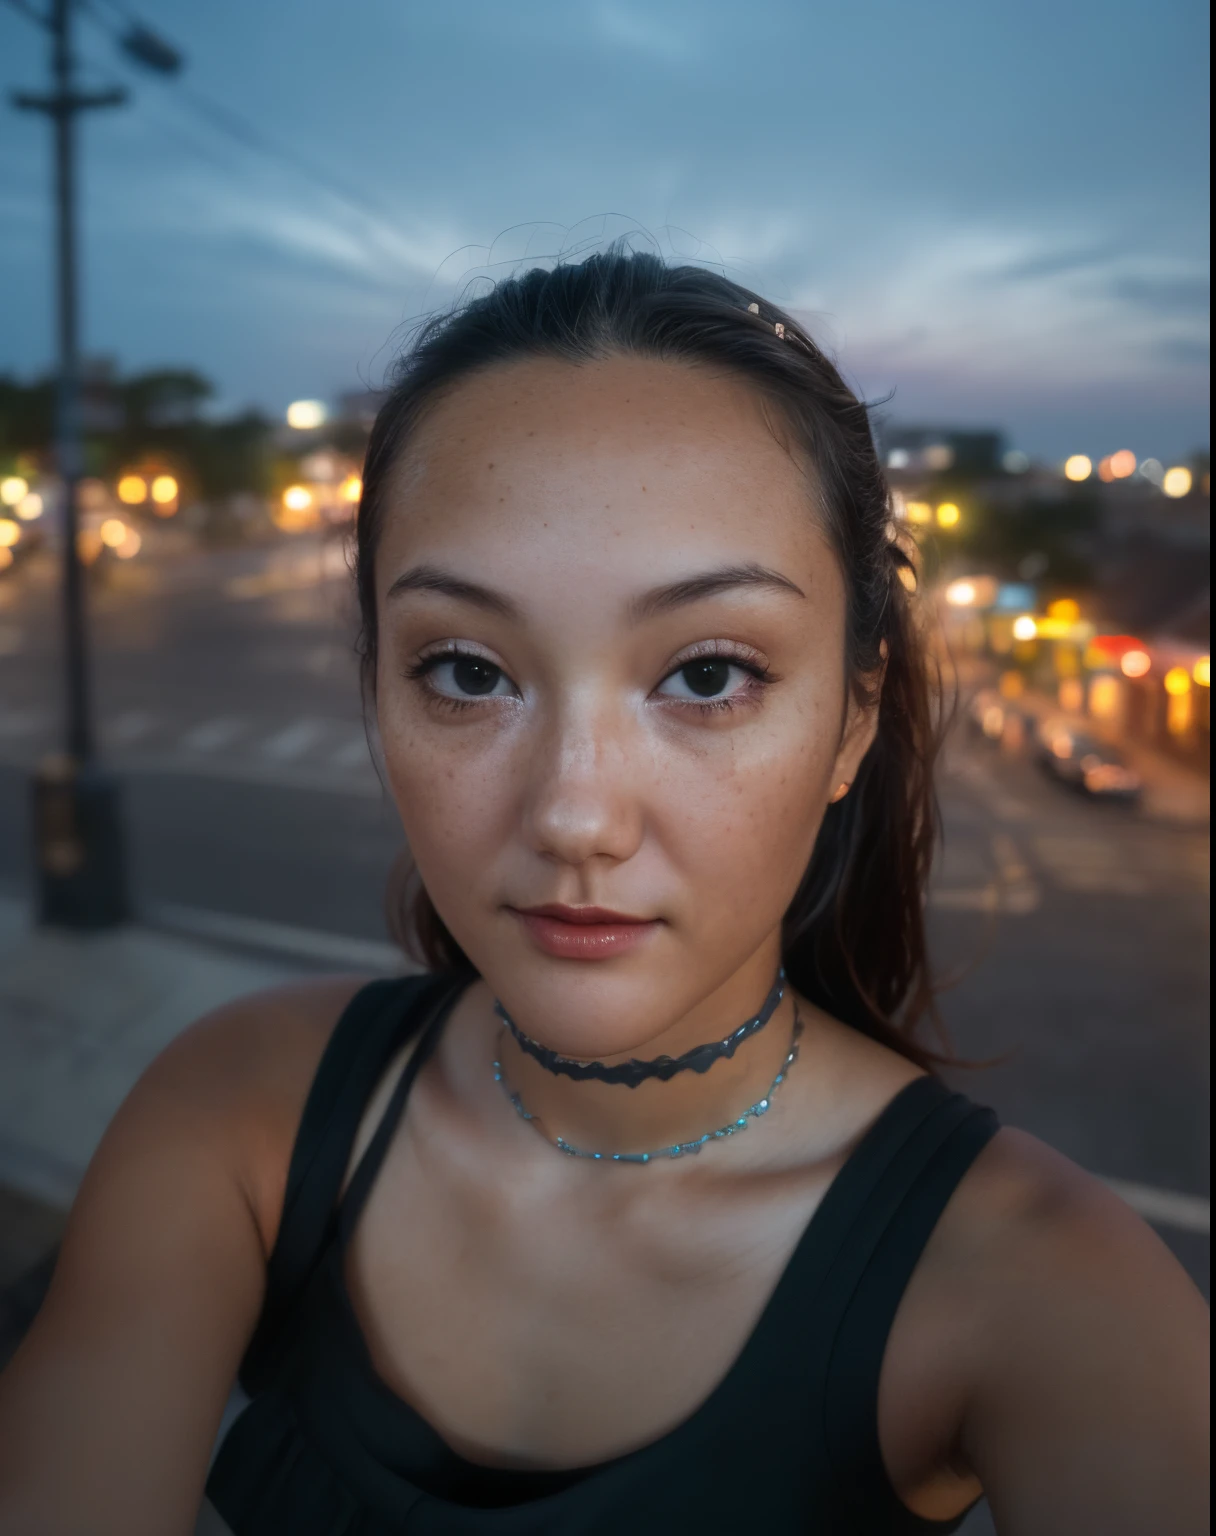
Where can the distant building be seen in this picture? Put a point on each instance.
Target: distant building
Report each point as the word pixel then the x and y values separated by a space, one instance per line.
pixel 938 450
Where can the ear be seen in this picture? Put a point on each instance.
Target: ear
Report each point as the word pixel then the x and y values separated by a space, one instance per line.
pixel 860 727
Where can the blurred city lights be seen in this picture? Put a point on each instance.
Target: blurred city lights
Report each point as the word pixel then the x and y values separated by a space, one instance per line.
pixel 9 533
pixel 1078 467
pixel 113 531
pixel 907 577
pixel 88 545
pixel 919 512
pixel 948 515
pixel 297 498
pixel 1202 672
pixel 130 545
pixel 1122 464
pixel 305 415
pixel 961 594
pixel 1153 471
pixel 1105 472
pixel 29 507
pixel 1177 680
pixel 1015 462
pixel 1066 608
pixel 164 490
pixel 351 488
pixel 12 489
pixel 132 489
pixel 1135 663
pixel 939 456
pixel 1024 627
pixel 1177 481
pixel 6 557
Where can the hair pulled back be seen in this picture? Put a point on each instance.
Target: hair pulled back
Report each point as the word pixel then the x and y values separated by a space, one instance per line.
pixel 853 938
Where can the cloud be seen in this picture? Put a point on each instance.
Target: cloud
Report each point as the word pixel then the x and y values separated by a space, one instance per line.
pixel 645 32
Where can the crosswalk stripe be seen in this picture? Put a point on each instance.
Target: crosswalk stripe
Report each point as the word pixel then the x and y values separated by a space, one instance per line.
pixel 213 734
pixel 293 741
pixel 128 728
pixel 352 753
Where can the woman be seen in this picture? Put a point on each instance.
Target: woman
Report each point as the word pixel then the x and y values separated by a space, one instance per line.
pixel 642 1210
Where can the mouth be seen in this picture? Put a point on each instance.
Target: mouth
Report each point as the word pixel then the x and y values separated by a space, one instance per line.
pixel 583 933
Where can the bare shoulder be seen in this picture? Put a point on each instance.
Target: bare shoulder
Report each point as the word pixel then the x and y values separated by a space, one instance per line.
pixel 243 1072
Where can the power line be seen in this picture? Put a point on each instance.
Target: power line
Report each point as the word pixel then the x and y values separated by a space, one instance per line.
pixel 240 129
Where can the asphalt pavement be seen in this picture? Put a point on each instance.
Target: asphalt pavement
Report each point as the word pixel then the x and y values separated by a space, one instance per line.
pixel 1074 935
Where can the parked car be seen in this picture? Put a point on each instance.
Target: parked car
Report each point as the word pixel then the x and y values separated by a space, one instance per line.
pixel 1068 752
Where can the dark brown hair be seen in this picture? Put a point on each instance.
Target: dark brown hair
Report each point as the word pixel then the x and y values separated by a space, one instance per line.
pixel 854 935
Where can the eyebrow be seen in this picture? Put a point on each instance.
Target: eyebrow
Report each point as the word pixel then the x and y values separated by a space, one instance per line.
pixel 647 605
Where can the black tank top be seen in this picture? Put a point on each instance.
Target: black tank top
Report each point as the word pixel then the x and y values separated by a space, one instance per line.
pixel 787 1442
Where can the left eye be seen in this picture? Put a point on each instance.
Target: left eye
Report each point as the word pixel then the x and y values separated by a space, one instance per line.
pixel 709 677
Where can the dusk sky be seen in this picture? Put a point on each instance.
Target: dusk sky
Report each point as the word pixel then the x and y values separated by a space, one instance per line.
pixel 997 210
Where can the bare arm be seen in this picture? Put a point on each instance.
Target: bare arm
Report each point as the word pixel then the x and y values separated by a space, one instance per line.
pixel 110 1407
pixel 1090 1406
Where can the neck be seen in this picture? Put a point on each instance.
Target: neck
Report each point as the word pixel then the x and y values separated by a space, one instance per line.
pixel 608 1117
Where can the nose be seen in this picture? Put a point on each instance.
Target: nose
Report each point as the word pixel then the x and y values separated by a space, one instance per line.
pixel 583 798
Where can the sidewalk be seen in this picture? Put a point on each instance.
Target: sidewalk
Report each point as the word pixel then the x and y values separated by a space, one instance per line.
pixel 81 1016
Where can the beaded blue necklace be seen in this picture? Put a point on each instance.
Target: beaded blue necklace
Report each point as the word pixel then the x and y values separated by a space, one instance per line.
pixel 680 1148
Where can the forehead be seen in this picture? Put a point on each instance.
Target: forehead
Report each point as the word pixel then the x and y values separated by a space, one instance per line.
pixel 621 455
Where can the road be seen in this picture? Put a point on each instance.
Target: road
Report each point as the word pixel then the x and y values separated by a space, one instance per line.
pixel 1075 934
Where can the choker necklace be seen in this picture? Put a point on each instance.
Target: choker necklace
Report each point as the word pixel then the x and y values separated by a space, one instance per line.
pixel 681 1148
pixel 699 1059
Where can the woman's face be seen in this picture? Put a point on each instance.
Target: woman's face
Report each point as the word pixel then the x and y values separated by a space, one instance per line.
pixel 611 673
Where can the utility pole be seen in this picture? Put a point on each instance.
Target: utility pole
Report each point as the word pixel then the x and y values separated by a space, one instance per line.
pixel 77 823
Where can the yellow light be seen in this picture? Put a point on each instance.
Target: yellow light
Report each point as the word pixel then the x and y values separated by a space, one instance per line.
pixel 1177 681
pixel 948 515
pixel 164 490
pixel 1065 608
pixel 130 545
pixel 9 533
pixel 113 532
pixel 29 507
pixel 1178 713
pixel 1024 627
pixel 132 489
pixel 907 577
pixel 1202 671
pixel 1135 663
pixel 961 594
pixel 351 488
pixel 919 512
pixel 1078 467
pixel 88 545
pixel 297 498
pixel 6 558
pixel 305 415
pixel 1012 685
pixel 12 489
pixel 1122 464
pixel 1177 481
pixel 1104 696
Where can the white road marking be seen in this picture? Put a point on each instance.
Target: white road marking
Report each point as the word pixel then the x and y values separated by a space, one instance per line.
pixel 210 735
pixel 280 938
pixel 293 741
pixel 352 753
pixel 21 722
pixel 124 729
pixel 1165 1207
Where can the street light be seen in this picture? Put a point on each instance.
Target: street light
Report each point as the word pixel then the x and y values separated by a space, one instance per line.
pixel 1177 481
pixel 1078 467
pixel 306 415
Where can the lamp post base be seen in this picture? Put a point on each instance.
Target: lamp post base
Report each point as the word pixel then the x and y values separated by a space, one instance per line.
pixel 78 845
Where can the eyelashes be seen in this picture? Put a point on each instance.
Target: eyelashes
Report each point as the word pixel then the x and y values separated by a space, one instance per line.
pixel 477 680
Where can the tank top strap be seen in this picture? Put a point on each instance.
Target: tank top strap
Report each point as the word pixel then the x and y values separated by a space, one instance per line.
pixel 374 1025
pixel 945 1134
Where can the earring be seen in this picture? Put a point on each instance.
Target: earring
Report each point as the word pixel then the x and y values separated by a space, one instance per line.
pixel 841 792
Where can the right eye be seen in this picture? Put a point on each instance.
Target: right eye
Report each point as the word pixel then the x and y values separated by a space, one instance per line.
pixel 466 677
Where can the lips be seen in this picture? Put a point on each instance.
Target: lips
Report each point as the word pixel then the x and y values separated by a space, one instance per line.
pixel 584 933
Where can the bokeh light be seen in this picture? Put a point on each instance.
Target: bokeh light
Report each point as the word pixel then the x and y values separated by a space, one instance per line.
pixel 948 515
pixel 1177 680
pixel 961 594
pixel 113 531
pixel 306 415
pixel 1135 663
pixel 351 488
pixel 164 490
pixel 1177 481
pixel 9 533
pixel 1078 467
pixel 1122 464
pixel 1024 627
pixel 12 489
pixel 1202 672
pixel 132 490
pixel 29 508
